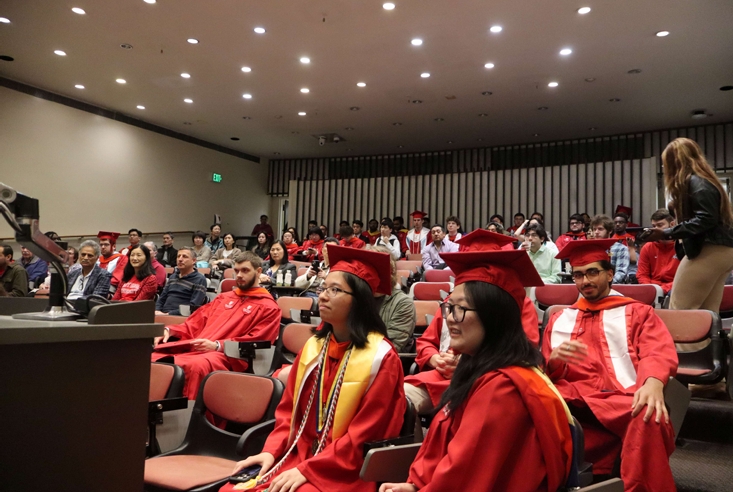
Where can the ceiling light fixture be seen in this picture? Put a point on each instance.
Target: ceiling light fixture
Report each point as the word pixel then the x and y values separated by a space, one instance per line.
pixel 634 71
pixel 592 128
pixel 354 108
pixel 126 46
pixel 614 100
pixel 79 11
pixel 727 88
pixel 140 106
pixel 486 93
pixel 565 51
pixel 495 29
pixel 121 81
pixel 187 123
pixel 305 90
pixel 396 123
pixel 536 135
pixel 699 114
pixel 193 40
pixel 425 75
pixel 4 20
pixel 247 96
pixel 416 42
pixel 234 138
pixel 305 60
pixel 388 6
pixel 79 86
pixel 583 10
pixel 662 34
pixel 149 1
pixel 552 84
pixel 400 146
pixel 416 101
pixel 542 108
pixel 361 84
pixel 349 128
pixel 590 79
pixel 246 117
pixel 276 153
pixel 186 75
pixel 188 101
pixel 439 119
pixel 60 53
pixel 259 30
pixel 6 58
pixel 301 113
pixel 246 69
pixel 295 133
pixel 479 139
pixel 483 115
pixel 489 65
pixel 450 141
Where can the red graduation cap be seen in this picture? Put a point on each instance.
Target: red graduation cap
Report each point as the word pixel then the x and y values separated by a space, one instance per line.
pixel 112 236
pixel 370 266
pixel 483 240
pixel 508 270
pixel 581 253
pixel 623 209
pixel 418 214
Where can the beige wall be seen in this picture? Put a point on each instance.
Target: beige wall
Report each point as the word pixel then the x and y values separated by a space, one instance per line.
pixel 91 173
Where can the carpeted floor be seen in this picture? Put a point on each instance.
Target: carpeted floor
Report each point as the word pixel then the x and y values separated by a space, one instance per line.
pixel 703 466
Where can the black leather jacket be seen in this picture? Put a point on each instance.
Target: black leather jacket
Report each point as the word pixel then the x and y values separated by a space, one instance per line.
pixel 704 226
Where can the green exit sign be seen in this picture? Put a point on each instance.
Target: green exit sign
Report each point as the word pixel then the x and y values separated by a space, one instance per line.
pixel 216 178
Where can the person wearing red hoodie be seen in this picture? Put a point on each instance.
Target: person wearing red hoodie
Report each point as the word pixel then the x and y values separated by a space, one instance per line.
pixel 348 239
pixel 657 260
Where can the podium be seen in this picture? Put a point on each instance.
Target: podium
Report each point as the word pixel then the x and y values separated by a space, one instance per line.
pixel 74 399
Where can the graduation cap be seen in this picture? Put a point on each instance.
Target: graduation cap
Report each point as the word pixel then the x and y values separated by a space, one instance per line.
pixel 511 271
pixel 581 253
pixel 418 214
pixel 483 240
pixel 622 209
pixel 371 266
pixel 112 236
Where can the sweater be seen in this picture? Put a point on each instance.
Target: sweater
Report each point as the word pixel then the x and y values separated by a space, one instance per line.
pixel 189 290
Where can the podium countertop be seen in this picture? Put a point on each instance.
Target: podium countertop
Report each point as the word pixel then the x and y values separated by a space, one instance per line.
pixel 21 331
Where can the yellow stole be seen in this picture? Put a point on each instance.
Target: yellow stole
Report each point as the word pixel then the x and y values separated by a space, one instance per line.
pixel 360 371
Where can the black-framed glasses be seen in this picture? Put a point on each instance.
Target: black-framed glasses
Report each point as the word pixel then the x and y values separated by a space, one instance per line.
pixel 332 291
pixel 591 273
pixel 458 312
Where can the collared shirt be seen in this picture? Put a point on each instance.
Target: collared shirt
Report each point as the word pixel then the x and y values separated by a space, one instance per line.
pixel 431 255
pixel 546 264
pixel 77 290
pixel 620 260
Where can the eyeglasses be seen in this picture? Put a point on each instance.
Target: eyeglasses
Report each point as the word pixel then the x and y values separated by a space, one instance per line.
pixel 532 235
pixel 591 274
pixel 332 291
pixel 575 222
pixel 458 312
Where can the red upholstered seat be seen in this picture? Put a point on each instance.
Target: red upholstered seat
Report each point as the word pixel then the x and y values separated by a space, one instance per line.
pixel 190 471
pixel 549 295
pixel 439 275
pixel 423 309
pixel 726 305
pixel 287 303
pixel 227 285
pixel 646 293
pixel 430 291
pixel 409 265
pixel 295 335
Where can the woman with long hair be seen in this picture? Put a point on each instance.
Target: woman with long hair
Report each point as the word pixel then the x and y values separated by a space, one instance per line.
pixel 262 248
pixel 202 252
pixel 501 417
pixel 224 257
pixel 291 246
pixel 138 279
pixel 344 390
pixel 704 230
pixel 277 265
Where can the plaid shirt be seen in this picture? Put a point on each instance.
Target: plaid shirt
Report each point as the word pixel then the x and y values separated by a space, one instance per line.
pixel 620 260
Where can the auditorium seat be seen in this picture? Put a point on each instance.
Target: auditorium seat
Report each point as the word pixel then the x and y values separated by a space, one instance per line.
pixel 226 285
pixel 165 394
pixel 287 303
pixel 650 294
pixel 301 263
pixel 204 271
pixel 726 308
pixel 403 275
pixel 446 275
pixel 169 271
pixel 414 257
pixel 291 341
pixel 423 309
pixel 302 271
pixel 546 318
pixel 169 319
pixel 409 265
pixel 229 273
pixel 551 294
pixel 430 291
pixel 208 454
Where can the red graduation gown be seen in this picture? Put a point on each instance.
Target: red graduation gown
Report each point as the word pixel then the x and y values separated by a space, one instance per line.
pixel 564 239
pixel 318 246
pixel 337 467
pixel 511 433
pixel 429 344
pixel 354 242
pixel 292 248
pixel 627 343
pixel 230 316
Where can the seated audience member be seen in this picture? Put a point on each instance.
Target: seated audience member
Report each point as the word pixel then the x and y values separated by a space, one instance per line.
pixel 276 269
pixel 453 225
pixel 135 236
pixel 263 226
pixel 312 223
pixel 224 257
pixel 338 231
pixel 262 248
pixel 160 274
pixel 535 219
pixel 518 221
pixel 358 227
pixel 348 239
pixel 307 450
pixel 602 226
pixel 401 232
pixel 657 260
pixel 13 277
pixel 372 233
pixel 312 280
pixel 499 219
pixel 185 286
pixel 397 310
pixel 138 281
pixel 214 241
pixel 73 262
pixel 36 268
pixel 496 227
pixel 502 418
pixel 89 278
pixel 620 222
pixel 203 253
pixel 431 254
pixel 419 236
pixel 586 221
pixel 109 259
pixel 610 357
pixel 290 245
pixel 247 313
pixel 576 232
pixel 388 239
pixel 167 254
pixel 324 230
pixel 296 236
pixel 542 253
pixel 436 359
pixel 311 248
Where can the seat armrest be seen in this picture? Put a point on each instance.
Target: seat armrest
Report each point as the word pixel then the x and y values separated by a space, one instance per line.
pixel 253 440
pixel 390 464
pixel 167 404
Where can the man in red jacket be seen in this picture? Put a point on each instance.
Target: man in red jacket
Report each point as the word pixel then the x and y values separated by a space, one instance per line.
pixel 247 313
pixel 657 261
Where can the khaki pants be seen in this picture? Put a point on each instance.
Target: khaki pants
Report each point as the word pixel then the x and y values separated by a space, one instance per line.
pixel 699 283
pixel 419 398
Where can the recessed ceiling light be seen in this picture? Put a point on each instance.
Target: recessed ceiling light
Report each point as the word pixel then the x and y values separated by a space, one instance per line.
pixel 565 51
pixel 301 113
pixel 4 20
pixel 186 75
pixel 699 114
pixel 149 1
pixel 189 101
pixel 349 128
pixel 425 75
pixel 482 115
pixel 614 99
pixel 276 153
pixel 388 6
pixel 634 71
pixel 416 101
pixel 79 86
pixel 193 40
pixel 592 128
pixel 187 123
pixel 126 46
pixel 552 84
pixel 536 135
pixel 305 60
pixel 400 146
pixel 354 108
pixel 246 117
pixel 542 108
pixel 450 141
pixel 439 119
pixel 479 139
pixel 361 84
pixel 727 88
pixel 305 90
pixel 247 96
pixel 279 117
pixel 416 42
pixel 121 81
pixel 260 30
pixel 396 123
pixel 662 34
pixel 489 65
pixel 295 133
pixel 486 93
pixel 6 58
pixel 583 10
pixel 60 53
pixel 140 106
pixel 590 79
pixel 348 150
pixel 79 11
pixel 234 138
pixel 495 29
pixel 246 69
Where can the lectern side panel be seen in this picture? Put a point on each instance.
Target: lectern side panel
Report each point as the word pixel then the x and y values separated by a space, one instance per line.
pixel 73 415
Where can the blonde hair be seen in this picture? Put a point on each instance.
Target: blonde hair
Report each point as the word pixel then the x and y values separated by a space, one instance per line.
pixel 392 263
pixel 681 159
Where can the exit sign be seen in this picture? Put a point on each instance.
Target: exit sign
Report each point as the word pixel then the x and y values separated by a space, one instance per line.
pixel 216 178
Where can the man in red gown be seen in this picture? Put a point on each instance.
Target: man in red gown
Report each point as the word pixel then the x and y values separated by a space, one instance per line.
pixel 247 313
pixel 417 237
pixel 610 357
pixel 576 232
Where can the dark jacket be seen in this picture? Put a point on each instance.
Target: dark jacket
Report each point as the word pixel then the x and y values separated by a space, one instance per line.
pixel 15 280
pixel 37 270
pixel 97 284
pixel 168 260
pixel 189 290
pixel 703 225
